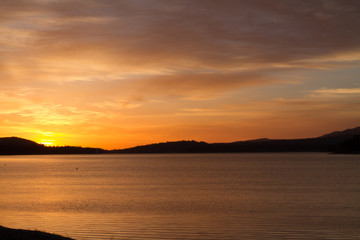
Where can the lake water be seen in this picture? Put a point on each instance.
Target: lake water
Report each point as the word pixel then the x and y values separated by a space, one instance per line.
pixel 184 196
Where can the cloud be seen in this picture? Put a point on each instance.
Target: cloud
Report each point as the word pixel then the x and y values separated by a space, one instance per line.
pixel 117 104
pixel 22 106
pixel 139 37
pixel 212 34
pixel 160 45
pixel 197 85
pixel 338 91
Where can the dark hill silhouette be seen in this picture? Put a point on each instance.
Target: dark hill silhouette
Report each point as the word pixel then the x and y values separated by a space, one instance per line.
pixel 351 145
pixel 345 133
pixel 341 141
pixel 169 147
pixel 257 140
pixel 15 145
pixel 333 142
pixel 73 150
pixel 20 146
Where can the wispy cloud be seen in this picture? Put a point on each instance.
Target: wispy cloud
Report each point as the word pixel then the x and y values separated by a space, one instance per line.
pixel 338 91
pixel 129 37
pixel 197 86
pixel 117 104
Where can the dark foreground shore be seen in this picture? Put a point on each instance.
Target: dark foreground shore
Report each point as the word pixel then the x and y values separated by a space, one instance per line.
pixel 16 234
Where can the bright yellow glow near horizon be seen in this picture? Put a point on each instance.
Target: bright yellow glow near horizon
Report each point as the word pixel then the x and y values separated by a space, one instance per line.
pixel 46 138
pixel 47 142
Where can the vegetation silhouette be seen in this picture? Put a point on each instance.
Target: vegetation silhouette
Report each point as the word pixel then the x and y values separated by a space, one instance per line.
pixel 347 141
pixel 15 234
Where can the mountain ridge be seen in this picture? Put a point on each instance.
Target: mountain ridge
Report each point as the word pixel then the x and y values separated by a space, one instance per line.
pixel 332 142
pixel 353 131
pixel 346 141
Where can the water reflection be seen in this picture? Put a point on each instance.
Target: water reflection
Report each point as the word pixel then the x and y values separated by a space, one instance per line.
pixel 200 196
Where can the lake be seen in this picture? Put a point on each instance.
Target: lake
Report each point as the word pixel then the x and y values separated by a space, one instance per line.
pixel 183 196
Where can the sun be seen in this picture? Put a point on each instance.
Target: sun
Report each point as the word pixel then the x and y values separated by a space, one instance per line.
pixel 46 138
pixel 47 142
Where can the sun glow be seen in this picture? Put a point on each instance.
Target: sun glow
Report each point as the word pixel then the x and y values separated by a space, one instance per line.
pixel 47 142
pixel 46 138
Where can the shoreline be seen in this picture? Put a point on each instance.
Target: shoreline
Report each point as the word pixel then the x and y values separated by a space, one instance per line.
pixel 20 234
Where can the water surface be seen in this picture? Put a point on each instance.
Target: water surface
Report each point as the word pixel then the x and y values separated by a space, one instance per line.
pixel 184 196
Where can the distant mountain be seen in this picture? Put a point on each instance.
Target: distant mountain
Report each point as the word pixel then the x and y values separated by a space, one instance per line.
pixel 345 133
pixel 73 150
pixel 20 146
pixel 347 141
pixel 258 140
pixel 168 147
pixel 15 145
pixel 333 142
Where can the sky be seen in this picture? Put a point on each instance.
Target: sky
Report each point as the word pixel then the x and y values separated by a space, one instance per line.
pixel 116 74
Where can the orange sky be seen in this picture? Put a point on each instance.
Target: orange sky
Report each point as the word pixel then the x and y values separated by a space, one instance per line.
pixel 116 74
